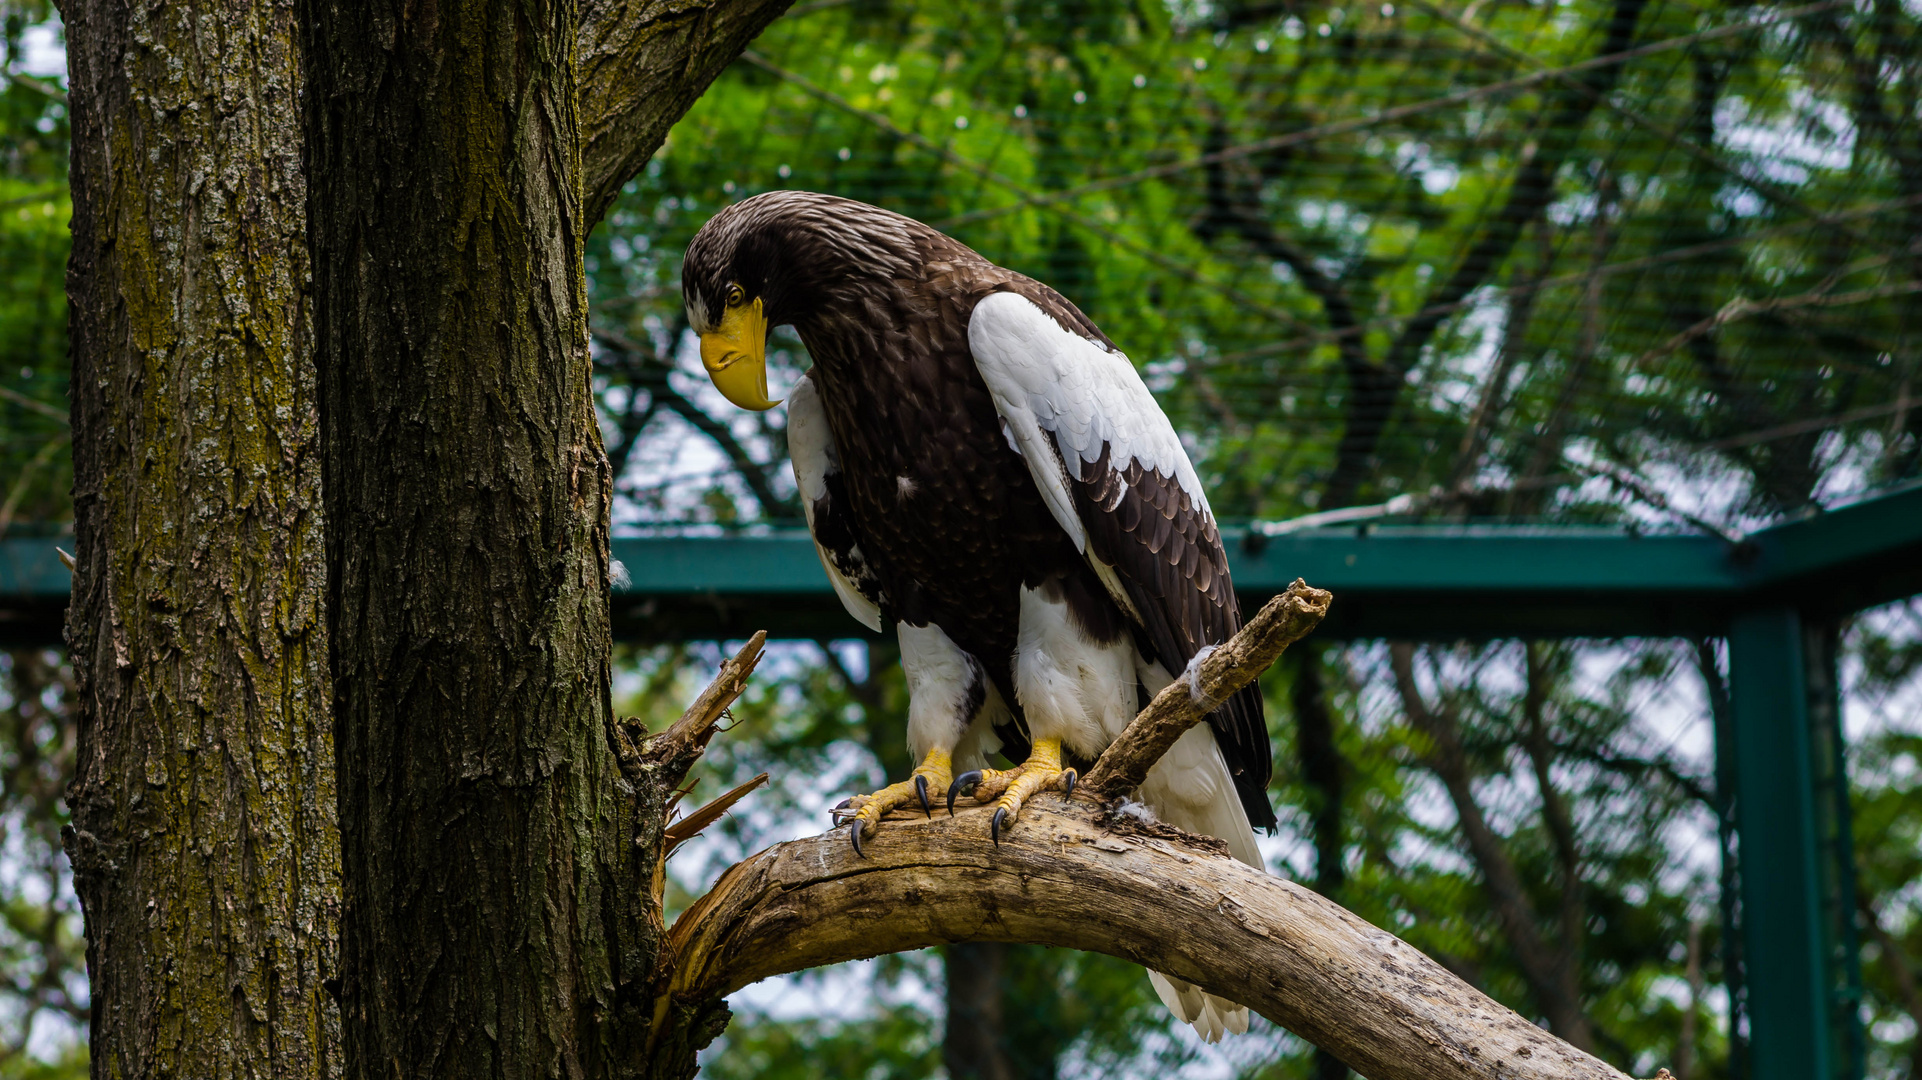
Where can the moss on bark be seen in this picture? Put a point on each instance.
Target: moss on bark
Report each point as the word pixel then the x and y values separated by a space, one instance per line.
pixel 204 842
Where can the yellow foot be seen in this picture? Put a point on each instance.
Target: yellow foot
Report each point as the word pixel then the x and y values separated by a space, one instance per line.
pixel 868 810
pixel 1041 770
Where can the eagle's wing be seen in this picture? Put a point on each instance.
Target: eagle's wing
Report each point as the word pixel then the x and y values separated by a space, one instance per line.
pixel 1118 480
pixel 817 473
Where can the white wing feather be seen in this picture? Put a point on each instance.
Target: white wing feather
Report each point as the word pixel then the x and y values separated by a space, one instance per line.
pixel 1052 385
pixel 811 448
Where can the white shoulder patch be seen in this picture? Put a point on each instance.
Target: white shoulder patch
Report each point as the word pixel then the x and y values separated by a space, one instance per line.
pixel 1050 384
pixel 810 445
pixel 811 450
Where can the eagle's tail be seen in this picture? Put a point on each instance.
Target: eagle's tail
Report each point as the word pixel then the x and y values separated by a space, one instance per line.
pixel 1211 1016
pixel 1190 788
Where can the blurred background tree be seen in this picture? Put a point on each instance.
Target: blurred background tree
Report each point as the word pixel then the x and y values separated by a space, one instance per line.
pixel 1645 264
pixel 43 984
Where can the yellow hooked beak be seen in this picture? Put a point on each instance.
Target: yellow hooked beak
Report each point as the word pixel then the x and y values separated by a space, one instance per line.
pixel 735 356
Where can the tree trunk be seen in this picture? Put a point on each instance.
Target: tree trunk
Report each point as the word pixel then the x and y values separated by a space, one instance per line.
pixel 498 919
pixel 972 1048
pixel 1322 770
pixel 203 838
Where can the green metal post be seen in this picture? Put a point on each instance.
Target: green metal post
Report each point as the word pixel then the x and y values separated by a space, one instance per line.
pixel 1796 856
pixel 1789 1033
pixel 1835 850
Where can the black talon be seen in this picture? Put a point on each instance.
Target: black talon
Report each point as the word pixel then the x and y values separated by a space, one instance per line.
pixel 854 834
pixel 965 780
pixel 1068 779
pixel 994 827
pixel 839 808
pixel 921 789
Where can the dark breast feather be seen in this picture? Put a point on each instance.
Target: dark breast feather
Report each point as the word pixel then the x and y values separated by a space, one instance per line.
pixel 905 401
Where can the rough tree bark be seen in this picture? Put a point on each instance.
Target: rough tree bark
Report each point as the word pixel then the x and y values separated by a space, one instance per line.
pixel 496 922
pixel 972 1047
pixel 497 919
pixel 642 63
pixel 1323 771
pixel 203 840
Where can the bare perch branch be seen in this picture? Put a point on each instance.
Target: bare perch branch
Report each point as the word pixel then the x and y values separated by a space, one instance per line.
pixel 1289 954
pixel 1280 623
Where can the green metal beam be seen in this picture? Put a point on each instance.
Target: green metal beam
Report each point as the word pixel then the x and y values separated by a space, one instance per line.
pixel 1834 850
pixel 1788 1023
pixel 34 584
pixel 1432 582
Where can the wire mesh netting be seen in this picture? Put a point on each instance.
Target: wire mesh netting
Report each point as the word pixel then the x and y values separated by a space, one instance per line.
pixel 1640 263
pixel 1649 265
pixel 1575 261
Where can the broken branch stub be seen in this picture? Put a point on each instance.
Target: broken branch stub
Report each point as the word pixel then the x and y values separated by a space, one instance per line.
pixel 689 827
pixel 676 749
pixel 1195 693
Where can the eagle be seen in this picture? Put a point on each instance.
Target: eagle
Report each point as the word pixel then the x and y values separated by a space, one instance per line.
pixel 982 469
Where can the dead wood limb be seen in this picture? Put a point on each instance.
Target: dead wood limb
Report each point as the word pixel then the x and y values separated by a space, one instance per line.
pixel 676 749
pixel 1078 878
pixel 1060 879
pixel 1280 623
pixel 689 827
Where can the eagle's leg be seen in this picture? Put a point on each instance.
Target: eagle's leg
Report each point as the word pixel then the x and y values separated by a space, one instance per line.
pixel 951 712
pixel 1074 675
pixel 931 776
pixel 1041 770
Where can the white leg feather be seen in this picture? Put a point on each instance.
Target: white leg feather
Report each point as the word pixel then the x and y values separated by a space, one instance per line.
pixel 948 694
pixel 1070 687
pixel 1083 693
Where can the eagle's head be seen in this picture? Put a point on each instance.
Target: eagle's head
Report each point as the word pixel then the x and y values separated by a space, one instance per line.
pixel 778 258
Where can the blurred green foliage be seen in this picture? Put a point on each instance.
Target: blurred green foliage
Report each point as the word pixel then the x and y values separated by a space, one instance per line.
pixel 1701 318
pixel 43 981
pixel 43 984
pixel 1673 292
pixel 35 465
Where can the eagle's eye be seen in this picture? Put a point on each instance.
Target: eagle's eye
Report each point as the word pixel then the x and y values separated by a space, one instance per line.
pixel 735 297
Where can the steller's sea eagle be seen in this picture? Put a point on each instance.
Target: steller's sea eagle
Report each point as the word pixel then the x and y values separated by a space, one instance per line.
pixel 981 467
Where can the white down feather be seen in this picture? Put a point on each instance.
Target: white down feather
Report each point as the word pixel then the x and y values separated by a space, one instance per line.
pixel 811 449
